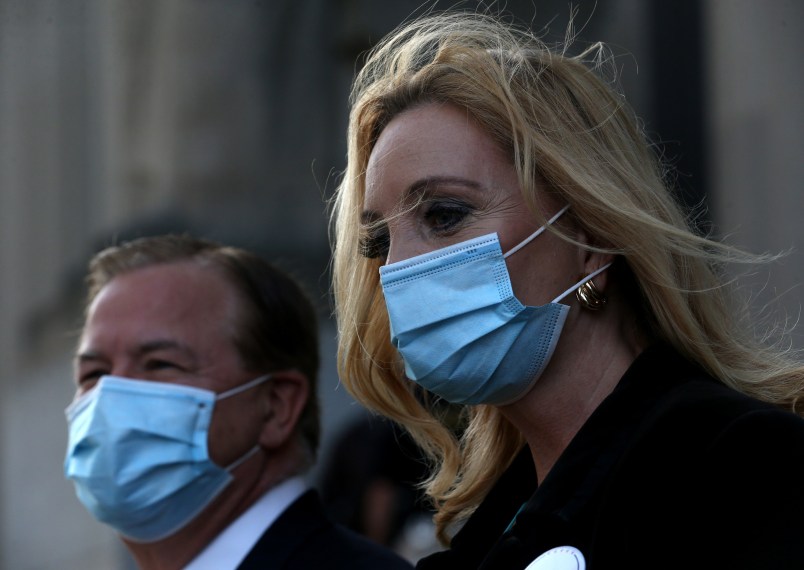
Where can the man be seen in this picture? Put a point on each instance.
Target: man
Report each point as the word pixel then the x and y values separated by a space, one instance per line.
pixel 196 417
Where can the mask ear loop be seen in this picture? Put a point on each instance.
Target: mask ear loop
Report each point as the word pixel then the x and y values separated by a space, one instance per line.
pixel 238 389
pixel 243 387
pixel 582 281
pixel 239 461
pixel 535 234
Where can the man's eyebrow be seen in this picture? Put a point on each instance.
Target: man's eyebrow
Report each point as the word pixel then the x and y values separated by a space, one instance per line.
pixel 86 356
pixel 142 349
pixel 165 344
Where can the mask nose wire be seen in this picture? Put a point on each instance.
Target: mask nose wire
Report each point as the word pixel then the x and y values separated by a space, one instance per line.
pixel 535 234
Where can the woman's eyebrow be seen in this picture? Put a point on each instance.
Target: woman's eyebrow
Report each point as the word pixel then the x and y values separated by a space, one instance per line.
pixel 420 188
pixel 431 182
pixel 370 217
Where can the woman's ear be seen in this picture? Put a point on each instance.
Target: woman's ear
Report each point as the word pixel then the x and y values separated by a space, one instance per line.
pixel 590 260
pixel 283 399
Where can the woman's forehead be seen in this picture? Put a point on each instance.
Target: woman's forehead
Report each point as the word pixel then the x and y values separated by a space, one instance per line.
pixel 437 143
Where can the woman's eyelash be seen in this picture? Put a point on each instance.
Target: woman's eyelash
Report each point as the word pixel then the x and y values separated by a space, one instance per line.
pixel 375 244
pixel 446 215
pixel 441 216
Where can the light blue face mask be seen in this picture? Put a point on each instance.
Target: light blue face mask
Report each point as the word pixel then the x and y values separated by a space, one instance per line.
pixel 461 332
pixel 137 454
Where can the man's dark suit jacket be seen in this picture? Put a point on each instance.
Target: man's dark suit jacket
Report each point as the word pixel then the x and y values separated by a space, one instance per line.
pixel 304 538
pixel 672 471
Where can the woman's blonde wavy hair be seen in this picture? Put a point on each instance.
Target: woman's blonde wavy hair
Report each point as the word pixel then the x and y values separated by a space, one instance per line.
pixel 567 130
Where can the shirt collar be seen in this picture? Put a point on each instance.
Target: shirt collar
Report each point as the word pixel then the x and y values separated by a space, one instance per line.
pixel 232 545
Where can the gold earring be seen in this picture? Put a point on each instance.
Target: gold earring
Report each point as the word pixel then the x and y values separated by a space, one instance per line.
pixel 589 297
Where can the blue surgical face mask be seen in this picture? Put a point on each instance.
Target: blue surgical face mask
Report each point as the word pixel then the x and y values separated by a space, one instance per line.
pixel 458 327
pixel 137 454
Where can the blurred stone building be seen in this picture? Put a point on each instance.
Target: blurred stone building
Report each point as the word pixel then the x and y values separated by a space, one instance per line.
pixel 227 118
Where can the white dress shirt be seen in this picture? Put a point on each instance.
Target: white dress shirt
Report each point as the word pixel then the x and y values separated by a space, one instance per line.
pixel 232 545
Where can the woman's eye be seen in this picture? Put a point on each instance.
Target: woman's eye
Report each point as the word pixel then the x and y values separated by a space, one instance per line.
pixel 446 217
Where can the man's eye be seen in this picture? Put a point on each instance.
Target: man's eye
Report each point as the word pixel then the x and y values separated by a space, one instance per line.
pixel 159 365
pixel 91 375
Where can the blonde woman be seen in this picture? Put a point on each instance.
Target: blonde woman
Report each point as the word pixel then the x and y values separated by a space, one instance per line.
pixel 506 243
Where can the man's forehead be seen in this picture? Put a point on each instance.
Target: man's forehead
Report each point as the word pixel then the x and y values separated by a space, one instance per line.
pixel 162 303
pixel 178 284
pixel 142 348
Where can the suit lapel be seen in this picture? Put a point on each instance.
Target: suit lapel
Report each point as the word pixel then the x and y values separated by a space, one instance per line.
pixel 303 517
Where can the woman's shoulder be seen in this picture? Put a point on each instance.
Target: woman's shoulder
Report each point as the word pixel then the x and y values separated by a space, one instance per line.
pixel 714 468
pixel 672 389
pixel 697 436
pixel 700 406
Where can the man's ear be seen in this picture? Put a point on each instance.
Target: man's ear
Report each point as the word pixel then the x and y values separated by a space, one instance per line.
pixel 283 399
pixel 590 260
